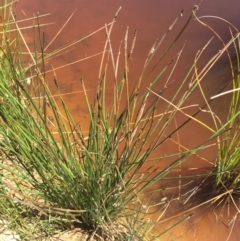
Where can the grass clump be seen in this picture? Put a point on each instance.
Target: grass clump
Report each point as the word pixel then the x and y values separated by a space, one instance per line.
pixel 225 174
pixel 75 179
pixel 218 190
pixel 227 165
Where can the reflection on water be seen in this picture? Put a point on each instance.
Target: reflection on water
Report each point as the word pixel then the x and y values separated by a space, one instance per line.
pixel 151 19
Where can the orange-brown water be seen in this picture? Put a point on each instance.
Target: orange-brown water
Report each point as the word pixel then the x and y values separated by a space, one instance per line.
pixel 151 19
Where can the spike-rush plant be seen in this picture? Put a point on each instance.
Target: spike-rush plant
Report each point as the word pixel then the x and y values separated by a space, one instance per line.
pixel 93 179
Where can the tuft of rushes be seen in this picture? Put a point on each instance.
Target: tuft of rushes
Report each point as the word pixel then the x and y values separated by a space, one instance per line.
pixel 76 179
pixel 227 176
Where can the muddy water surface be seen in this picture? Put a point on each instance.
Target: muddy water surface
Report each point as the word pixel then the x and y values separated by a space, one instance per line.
pixel 151 19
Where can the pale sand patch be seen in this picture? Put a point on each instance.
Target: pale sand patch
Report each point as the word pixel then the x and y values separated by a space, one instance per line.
pixel 77 234
pixel 73 235
pixel 7 235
